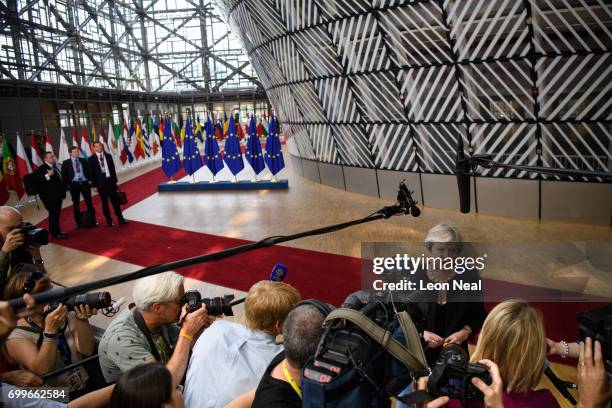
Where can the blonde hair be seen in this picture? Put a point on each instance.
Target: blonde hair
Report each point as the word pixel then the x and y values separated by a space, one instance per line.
pixel 513 337
pixel 268 303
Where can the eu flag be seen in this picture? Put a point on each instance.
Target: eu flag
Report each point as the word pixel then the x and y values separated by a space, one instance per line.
pixel 273 155
pixel 253 150
pixel 191 156
pixel 214 162
pixel 233 155
pixel 171 163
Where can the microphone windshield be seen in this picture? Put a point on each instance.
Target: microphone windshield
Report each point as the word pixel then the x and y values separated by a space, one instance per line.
pixel 278 273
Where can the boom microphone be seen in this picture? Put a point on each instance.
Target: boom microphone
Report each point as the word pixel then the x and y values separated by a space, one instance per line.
pixel 462 169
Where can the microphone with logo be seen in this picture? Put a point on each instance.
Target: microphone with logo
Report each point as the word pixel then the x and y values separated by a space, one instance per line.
pixel 462 169
pixel 277 275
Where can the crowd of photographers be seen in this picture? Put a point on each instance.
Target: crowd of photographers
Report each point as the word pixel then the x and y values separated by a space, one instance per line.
pixel 160 352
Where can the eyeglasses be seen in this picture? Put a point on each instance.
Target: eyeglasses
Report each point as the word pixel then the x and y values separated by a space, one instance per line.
pixel 30 283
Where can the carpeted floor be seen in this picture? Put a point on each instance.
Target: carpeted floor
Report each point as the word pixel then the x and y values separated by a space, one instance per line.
pixel 328 277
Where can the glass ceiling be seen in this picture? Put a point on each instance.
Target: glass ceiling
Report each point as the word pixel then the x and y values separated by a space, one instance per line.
pixel 139 45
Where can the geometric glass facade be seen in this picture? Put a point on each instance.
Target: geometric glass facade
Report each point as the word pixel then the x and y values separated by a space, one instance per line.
pixel 140 45
pixel 392 84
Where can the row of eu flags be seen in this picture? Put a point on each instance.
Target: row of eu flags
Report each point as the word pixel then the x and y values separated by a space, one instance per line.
pixel 214 158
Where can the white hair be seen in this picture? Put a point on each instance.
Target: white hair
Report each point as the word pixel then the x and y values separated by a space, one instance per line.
pixel 443 233
pixel 163 287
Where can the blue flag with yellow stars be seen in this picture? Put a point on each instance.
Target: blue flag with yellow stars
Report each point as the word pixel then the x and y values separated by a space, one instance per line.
pixel 214 162
pixel 273 155
pixel 171 162
pixel 191 156
pixel 233 156
pixel 254 154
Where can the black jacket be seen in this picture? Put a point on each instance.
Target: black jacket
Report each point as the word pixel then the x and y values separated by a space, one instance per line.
pixel 97 177
pixel 53 188
pixel 68 170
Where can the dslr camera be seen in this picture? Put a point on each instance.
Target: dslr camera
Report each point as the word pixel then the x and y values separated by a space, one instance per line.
pixel 452 375
pixel 216 306
pixel 95 300
pixel 597 324
pixel 33 234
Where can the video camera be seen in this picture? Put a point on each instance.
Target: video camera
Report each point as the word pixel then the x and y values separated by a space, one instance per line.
pixel 351 366
pixel 215 306
pixel 597 324
pixel 95 300
pixel 33 234
pixel 452 375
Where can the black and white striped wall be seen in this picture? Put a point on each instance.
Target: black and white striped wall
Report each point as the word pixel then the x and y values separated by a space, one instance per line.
pixel 387 87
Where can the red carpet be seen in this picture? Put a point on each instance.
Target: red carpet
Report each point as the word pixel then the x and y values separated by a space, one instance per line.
pixel 322 275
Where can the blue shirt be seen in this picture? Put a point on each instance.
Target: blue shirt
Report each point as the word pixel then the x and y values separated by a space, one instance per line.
pixel 78 176
pixel 227 360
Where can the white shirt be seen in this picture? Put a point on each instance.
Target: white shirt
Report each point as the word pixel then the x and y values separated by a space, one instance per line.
pixel 105 169
pixel 55 169
pixel 227 360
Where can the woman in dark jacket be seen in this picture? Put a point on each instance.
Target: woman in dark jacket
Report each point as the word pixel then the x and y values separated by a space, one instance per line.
pixel 454 315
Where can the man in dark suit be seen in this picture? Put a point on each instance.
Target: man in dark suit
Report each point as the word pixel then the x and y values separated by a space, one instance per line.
pixel 75 172
pixel 104 178
pixel 52 192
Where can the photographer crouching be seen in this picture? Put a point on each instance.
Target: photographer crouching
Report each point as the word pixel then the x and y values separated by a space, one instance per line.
pixel 21 242
pixel 147 332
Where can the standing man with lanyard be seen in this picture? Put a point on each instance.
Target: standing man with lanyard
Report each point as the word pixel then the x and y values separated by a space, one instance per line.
pixel 76 180
pixel 280 386
pixel 52 192
pixel 104 178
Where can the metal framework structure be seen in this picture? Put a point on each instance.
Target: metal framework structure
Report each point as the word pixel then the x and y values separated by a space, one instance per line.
pixel 136 45
pixel 392 84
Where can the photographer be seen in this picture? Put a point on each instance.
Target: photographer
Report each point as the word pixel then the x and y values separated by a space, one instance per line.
pixel 13 250
pixel 148 332
pixel 48 340
pixel 513 337
pixel 232 351
pixel 493 394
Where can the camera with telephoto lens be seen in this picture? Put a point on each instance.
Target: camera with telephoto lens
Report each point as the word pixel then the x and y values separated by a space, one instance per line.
pixel 597 324
pixel 216 306
pixel 452 375
pixel 33 234
pixel 95 300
